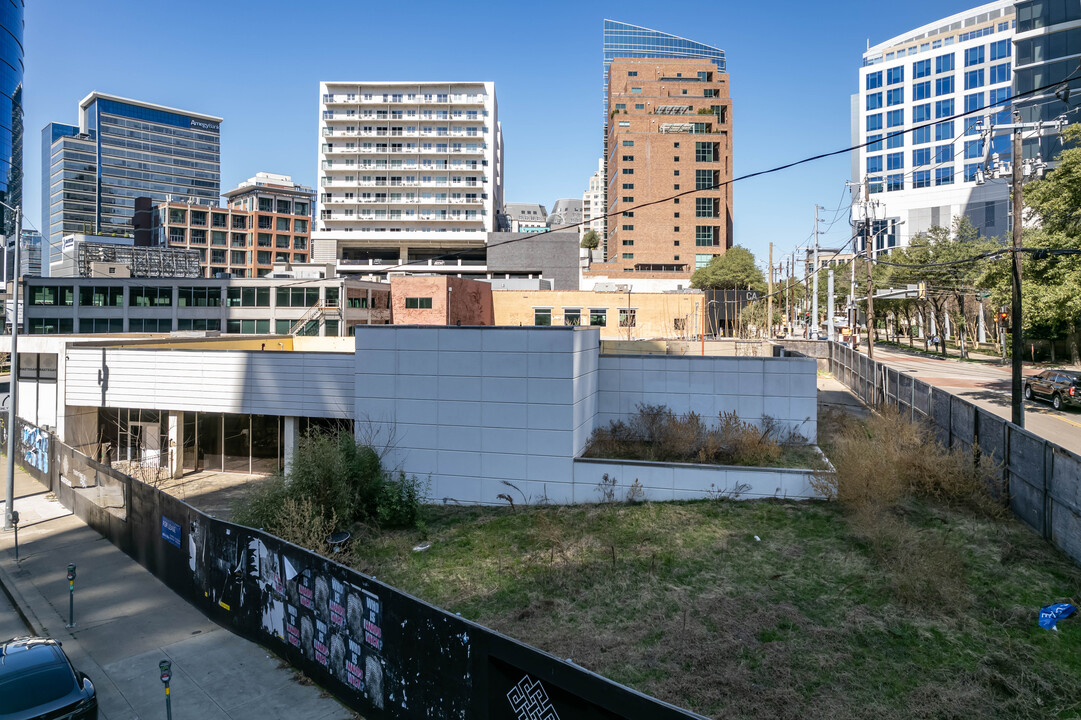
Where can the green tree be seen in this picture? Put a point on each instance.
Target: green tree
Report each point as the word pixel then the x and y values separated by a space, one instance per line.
pixel 735 270
pixel 590 240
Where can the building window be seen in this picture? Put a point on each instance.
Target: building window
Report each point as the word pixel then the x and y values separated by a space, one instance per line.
pixel 999 74
pixel 944 108
pixel 150 296
pixel 874 164
pixel 895 96
pixel 944 176
pixel 921 179
pixel 921 113
pixel 895 75
pixel 705 207
pixel 895 140
pixel 921 68
pixel 248 297
pixel 944 63
pixel 627 227
pixel 1001 49
pixel 53 295
pixel 874 143
pixel 598 317
pixel 921 156
pixel 874 80
pixel 705 179
pixel 921 91
pixel 628 256
pixel 874 122
pixel 199 297
pixel 97 296
pixel 706 236
pixel 895 182
pixel 705 152
pixel 944 85
pixel 874 101
pixel 944 153
pixel 895 161
pixel 572 316
pixel 895 118
pixel 944 130
pixel 419 303
pixel 627 317
pixel 974 56
pixel 921 135
pixel 974 79
pixel 542 317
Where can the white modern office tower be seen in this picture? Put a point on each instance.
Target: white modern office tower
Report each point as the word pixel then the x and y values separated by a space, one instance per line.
pixel 408 172
pixel 921 167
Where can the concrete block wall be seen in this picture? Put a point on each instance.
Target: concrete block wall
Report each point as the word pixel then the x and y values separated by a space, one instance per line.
pixel 782 388
pixel 474 407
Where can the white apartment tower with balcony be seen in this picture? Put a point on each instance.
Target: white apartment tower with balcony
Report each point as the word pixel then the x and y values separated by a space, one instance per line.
pixel 921 166
pixel 408 172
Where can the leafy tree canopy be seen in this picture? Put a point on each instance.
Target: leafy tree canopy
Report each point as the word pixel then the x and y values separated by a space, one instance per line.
pixel 590 241
pixel 732 271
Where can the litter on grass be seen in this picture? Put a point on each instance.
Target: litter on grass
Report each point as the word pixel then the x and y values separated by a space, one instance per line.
pixel 1051 614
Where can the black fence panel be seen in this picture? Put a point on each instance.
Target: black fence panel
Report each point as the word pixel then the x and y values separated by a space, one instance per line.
pixel 380 651
pixel 940 416
pixel 921 393
pixel 1025 465
pixel 962 423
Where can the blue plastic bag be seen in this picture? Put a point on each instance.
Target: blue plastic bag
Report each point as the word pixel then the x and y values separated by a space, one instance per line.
pixel 1050 615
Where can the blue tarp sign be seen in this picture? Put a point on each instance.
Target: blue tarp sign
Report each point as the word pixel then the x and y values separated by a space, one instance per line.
pixel 1050 615
pixel 170 531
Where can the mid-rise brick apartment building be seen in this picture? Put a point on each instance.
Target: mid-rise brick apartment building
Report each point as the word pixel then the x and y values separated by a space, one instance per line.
pixel 669 134
pixel 266 220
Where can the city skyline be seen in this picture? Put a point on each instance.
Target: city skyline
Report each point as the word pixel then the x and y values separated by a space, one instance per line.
pixel 551 147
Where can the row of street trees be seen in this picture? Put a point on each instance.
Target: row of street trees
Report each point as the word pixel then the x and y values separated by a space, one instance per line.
pixel 958 279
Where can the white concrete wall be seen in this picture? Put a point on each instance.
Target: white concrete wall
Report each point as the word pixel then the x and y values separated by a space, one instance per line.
pixel 474 407
pixel 681 481
pixel 782 388
pixel 234 381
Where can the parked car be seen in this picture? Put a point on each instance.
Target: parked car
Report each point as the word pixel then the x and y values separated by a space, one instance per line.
pixel 38 682
pixel 1061 387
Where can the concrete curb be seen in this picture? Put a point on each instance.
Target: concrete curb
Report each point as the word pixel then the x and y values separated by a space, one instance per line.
pixel 22 608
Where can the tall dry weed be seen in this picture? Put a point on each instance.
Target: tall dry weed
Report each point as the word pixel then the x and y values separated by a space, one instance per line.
pixel 886 458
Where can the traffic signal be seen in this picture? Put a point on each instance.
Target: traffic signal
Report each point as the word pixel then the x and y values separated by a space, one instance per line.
pixel 1004 318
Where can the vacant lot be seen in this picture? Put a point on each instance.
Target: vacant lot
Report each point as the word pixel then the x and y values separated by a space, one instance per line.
pixel 766 609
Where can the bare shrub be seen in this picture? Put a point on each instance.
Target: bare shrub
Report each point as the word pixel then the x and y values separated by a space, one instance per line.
pixel 657 434
pixel 607 488
pixel 301 522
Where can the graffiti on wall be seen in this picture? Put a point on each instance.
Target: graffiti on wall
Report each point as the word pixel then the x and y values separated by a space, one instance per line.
pixel 36 446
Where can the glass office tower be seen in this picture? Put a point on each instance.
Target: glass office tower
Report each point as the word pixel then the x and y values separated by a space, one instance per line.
pixel 123 149
pixel 623 40
pixel 11 110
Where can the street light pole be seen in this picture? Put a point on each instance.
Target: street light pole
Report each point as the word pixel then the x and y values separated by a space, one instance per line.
pixel 13 365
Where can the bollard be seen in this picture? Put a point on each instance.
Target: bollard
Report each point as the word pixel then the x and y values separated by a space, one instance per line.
pixel 15 526
pixel 165 667
pixel 71 595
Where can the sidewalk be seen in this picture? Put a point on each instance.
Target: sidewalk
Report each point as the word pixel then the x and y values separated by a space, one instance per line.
pixel 127 621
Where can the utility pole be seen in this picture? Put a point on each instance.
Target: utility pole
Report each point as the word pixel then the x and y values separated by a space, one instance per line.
pixel 769 298
pixel 829 304
pixel 13 369
pixel 788 299
pixel 1016 401
pixel 867 250
pixel 814 301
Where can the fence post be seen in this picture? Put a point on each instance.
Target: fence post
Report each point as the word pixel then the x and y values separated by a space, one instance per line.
pixel 1048 501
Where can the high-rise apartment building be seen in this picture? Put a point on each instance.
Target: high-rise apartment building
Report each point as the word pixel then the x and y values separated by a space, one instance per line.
pixel 921 166
pixel 668 135
pixel 11 111
pixel 266 220
pixel 407 172
pixel 623 40
pixel 120 150
pixel 1047 48
pixel 593 203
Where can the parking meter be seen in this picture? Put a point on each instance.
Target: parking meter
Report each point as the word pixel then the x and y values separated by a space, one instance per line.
pixel 71 595
pixel 166 674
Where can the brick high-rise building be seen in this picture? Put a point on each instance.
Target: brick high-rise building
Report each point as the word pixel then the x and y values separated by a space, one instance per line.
pixel 669 133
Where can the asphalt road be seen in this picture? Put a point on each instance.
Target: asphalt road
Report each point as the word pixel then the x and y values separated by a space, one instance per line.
pixel 987 384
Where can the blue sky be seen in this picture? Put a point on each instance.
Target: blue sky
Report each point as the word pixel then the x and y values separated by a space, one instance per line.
pixel 792 65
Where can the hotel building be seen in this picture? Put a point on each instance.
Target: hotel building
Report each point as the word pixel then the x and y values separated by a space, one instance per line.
pixel 920 169
pixel 408 172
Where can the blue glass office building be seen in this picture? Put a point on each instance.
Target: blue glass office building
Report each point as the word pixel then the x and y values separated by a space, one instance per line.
pixel 120 150
pixel 11 109
pixel 623 40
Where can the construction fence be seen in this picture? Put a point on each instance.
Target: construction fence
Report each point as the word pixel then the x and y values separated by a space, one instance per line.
pixel 1042 479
